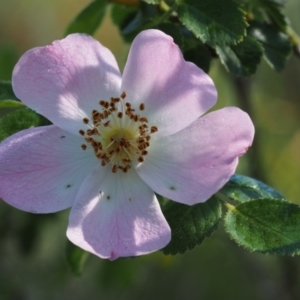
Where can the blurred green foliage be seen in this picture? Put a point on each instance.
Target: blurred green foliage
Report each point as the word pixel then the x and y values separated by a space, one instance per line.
pixel 33 265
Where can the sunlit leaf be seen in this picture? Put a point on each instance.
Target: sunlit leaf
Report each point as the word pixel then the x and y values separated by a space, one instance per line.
pixel 243 188
pixel 214 22
pixel 18 120
pixel 152 1
pixel 265 225
pixel 190 225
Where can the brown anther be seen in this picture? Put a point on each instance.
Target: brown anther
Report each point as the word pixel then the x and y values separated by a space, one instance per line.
pixel 142 106
pixel 95 130
pixel 88 139
pixel 83 146
pixel 126 160
pixel 81 132
pixel 112 104
pixel 141 159
pixel 115 100
pixel 127 104
pixel 89 132
pixel 106 104
pixel 120 115
pixel 105 114
pixel 136 118
pixel 123 95
pixel 153 129
pixel 148 137
pixel 106 124
pixel 114 169
pixel 102 102
pixel 144 152
pixel 85 120
pixel 143 119
pixel 103 163
pixel 101 155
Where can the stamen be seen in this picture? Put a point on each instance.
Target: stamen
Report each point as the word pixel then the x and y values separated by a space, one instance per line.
pixel 153 129
pixel 115 141
pixel 85 120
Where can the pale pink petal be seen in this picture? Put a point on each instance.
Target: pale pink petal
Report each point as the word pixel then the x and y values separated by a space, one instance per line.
pixel 41 169
pixel 65 81
pixel 117 215
pixel 175 92
pixel 193 164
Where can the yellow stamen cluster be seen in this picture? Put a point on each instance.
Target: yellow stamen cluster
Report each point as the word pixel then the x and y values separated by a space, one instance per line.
pixel 118 134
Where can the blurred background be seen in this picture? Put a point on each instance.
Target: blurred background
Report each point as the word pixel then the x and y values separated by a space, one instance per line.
pixel 33 262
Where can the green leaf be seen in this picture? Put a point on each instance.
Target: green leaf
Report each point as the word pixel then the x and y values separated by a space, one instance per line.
pixel 243 188
pixel 121 15
pixel 265 225
pixel 274 10
pixel 190 225
pixel 200 56
pixel 277 45
pixel 143 19
pixel 241 59
pixel 10 104
pixel 174 31
pixel 18 120
pixel 89 19
pixel 152 1
pixel 6 91
pixel 76 258
pixel 215 22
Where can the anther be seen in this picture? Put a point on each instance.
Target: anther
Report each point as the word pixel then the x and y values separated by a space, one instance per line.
pixel 114 169
pixel 81 132
pixel 123 95
pixel 153 129
pixel 142 106
pixel 120 115
pixel 85 120
pixel 102 102
pixel 83 146
pixel 141 159
pixel 143 120
pixel 106 124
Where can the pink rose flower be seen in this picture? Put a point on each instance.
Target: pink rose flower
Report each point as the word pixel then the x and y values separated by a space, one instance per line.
pixel 118 140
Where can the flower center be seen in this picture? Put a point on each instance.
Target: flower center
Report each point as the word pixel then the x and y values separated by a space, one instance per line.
pixel 118 134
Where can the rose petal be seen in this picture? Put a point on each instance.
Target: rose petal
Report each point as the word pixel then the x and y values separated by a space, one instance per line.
pixel 117 215
pixel 65 81
pixel 175 92
pixel 193 164
pixel 41 169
